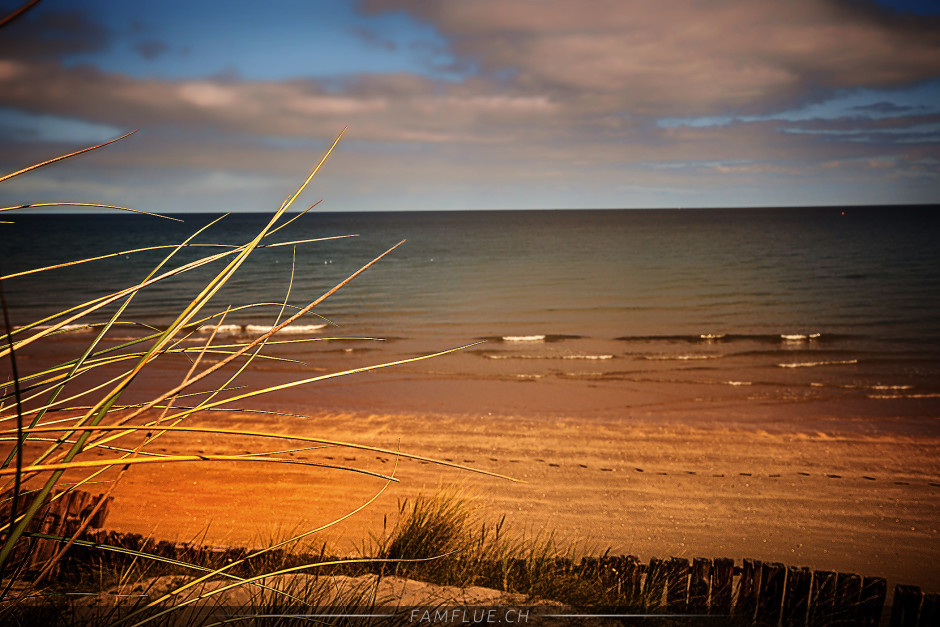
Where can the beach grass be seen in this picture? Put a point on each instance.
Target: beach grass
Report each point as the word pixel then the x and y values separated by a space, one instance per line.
pixel 46 458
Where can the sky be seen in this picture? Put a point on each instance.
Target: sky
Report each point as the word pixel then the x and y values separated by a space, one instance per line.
pixel 473 104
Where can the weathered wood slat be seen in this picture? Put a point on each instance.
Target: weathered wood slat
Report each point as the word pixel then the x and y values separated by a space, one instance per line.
pixel 872 600
pixel 770 598
pixel 654 590
pixel 699 580
pixel 848 593
pixel 677 590
pixel 795 611
pixel 906 606
pixel 823 598
pixel 748 589
pixel 631 579
pixel 722 585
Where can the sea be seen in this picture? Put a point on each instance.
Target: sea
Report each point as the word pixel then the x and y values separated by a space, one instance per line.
pixel 813 318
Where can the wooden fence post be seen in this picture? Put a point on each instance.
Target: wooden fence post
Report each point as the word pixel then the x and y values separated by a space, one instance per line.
pixel 848 593
pixel 872 600
pixel 630 579
pixel 770 598
pixel 607 572
pixel 796 599
pixel 654 590
pixel 906 606
pixel 722 585
pixel 677 590
pixel 823 596
pixel 748 589
pixel 699 579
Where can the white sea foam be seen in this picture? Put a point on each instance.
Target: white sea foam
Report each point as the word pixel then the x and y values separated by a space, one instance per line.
pixel 903 396
pixel 523 338
pixel 736 383
pixel 545 357
pixel 799 337
pixel 259 329
pixel 76 327
pixel 221 329
pixel 679 357
pixel 291 328
pixel 712 336
pixel 892 387
pixel 813 364
pixel 63 329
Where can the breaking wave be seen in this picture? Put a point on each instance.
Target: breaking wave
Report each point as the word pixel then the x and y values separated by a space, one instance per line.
pixel 814 364
pixel 716 337
pixel 531 339
pixel 678 357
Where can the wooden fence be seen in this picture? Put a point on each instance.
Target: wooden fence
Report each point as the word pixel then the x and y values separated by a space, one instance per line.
pixel 764 593
pixel 761 593
pixel 62 516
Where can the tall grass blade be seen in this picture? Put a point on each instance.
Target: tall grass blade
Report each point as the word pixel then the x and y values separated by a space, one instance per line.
pixel 39 205
pixel 56 159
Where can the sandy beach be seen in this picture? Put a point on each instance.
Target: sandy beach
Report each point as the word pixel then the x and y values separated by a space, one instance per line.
pixel 853 503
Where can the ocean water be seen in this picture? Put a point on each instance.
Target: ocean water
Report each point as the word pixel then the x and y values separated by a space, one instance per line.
pixel 784 318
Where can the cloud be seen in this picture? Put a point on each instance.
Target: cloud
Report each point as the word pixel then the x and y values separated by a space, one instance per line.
pixel 395 107
pixel 684 57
